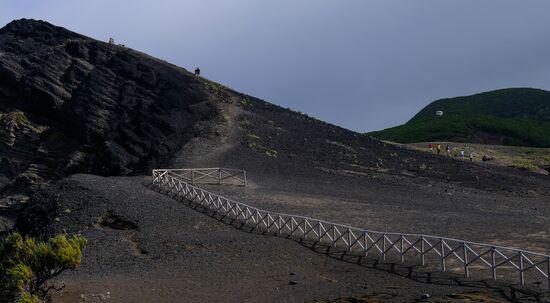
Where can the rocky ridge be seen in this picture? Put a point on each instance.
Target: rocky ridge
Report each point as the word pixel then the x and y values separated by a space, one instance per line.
pixel 69 103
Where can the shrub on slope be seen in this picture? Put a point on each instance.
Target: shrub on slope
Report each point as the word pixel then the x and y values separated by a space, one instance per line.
pixel 26 265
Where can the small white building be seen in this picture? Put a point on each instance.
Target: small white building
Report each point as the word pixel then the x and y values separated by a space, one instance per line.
pixel 439 113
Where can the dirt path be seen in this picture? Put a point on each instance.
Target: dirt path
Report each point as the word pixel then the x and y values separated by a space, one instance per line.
pixel 206 152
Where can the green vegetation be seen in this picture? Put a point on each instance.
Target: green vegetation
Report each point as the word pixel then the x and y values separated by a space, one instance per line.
pixel 255 145
pixel 26 265
pixel 245 101
pixel 519 117
pixel 268 151
pixel 529 158
pixel 218 91
pixel 524 164
pixel 271 152
pixel 21 117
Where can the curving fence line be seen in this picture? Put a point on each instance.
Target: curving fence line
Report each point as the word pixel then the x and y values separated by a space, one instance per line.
pixel 446 253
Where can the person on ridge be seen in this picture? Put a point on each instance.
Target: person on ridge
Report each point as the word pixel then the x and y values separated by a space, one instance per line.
pixel 448 149
pixel 197 72
pixel 438 149
pixel 430 147
pixel 461 154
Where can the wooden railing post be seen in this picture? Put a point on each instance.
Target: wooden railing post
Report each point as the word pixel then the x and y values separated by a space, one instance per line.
pixel 401 252
pixel 422 249
pixel 521 274
pixel 175 184
pixel 493 264
pixel 383 247
pixel 443 263
pixel 366 244
pixel 466 271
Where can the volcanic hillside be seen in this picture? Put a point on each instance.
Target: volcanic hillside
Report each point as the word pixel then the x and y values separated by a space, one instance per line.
pixel 514 116
pixel 70 104
pixel 73 104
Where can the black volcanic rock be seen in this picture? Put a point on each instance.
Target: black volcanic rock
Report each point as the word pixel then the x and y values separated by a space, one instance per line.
pixel 69 103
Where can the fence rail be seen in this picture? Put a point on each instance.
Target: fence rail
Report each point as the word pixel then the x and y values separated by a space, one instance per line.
pixel 208 175
pixel 445 253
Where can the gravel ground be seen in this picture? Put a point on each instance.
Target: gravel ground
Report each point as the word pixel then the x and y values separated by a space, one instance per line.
pixel 174 253
pixel 146 247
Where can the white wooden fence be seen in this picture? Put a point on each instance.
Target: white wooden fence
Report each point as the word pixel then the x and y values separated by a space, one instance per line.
pixel 446 253
pixel 208 175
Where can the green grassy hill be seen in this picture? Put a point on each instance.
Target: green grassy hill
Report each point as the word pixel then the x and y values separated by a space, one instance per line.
pixel 514 116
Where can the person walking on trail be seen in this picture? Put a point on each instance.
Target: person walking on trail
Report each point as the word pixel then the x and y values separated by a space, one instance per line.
pixel 438 149
pixel 197 72
pixel 448 149
pixel 461 154
pixel 471 157
pixel 430 147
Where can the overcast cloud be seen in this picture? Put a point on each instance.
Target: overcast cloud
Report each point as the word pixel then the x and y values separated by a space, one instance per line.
pixel 363 65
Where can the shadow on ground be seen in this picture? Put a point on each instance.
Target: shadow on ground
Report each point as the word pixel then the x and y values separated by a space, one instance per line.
pixel 421 274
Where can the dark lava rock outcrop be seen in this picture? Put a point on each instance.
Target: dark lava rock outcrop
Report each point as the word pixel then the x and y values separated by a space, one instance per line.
pixel 69 103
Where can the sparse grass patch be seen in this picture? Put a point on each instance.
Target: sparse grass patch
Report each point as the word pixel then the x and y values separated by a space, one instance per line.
pixel 524 164
pixel 266 150
pixel 218 91
pixel 21 117
pixel 530 158
pixel 245 101
pixel 271 152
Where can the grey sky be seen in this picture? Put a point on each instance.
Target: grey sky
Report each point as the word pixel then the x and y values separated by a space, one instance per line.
pixel 363 65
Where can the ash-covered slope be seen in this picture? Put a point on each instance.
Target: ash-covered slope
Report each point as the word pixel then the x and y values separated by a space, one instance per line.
pixel 73 104
pixel 69 103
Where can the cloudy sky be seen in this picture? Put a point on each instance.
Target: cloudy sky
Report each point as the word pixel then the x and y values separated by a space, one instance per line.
pixel 361 64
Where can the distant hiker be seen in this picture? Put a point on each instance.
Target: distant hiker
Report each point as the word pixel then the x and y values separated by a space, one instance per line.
pixel 197 72
pixel 461 154
pixel 430 147
pixel 438 149
pixel 471 157
pixel 111 41
pixel 448 149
